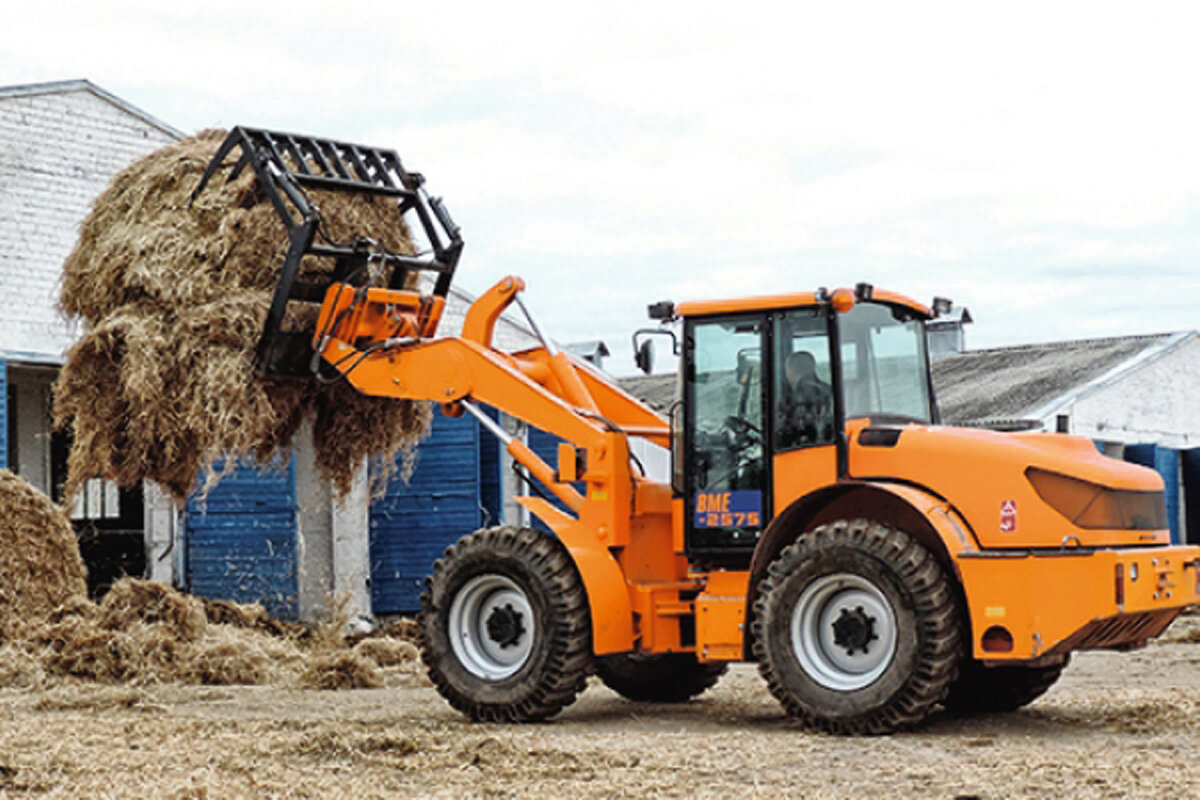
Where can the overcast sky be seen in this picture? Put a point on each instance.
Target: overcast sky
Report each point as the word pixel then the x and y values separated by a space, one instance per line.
pixel 1035 162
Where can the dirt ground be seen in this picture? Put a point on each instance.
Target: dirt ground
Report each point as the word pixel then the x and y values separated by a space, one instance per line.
pixel 1116 725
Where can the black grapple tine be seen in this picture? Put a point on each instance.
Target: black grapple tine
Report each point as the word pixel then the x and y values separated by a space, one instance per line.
pixel 381 173
pixel 312 149
pixel 357 163
pixel 234 139
pixel 289 144
pixel 338 166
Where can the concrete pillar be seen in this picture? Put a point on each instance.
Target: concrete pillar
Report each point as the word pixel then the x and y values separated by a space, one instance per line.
pixel 164 545
pixel 352 550
pixel 314 531
pixel 332 551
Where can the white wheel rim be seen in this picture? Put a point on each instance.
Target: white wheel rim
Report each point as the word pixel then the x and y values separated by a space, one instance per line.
pixel 854 652
pixel 500 600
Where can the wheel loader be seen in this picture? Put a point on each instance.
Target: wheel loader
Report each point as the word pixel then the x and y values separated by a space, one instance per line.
pixel 819 521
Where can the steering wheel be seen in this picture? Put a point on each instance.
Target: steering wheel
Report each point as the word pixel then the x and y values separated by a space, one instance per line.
pixel 742 430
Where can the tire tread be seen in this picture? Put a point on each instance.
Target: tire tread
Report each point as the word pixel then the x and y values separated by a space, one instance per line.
pixel 932 598
pixel 569 658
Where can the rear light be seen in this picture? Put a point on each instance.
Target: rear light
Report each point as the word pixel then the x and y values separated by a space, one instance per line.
pixel 1090 505
pixel 997 639
pixel 1119 584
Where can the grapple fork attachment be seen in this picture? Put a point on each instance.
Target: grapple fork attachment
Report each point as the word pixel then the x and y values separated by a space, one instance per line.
pixel 286 164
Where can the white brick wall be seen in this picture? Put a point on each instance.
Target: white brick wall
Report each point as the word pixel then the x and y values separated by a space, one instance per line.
pixel 1157 402
pixel 58 150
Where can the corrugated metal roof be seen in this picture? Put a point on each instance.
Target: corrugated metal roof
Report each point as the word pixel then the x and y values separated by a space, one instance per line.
pixel 1012 382
pixel 656 391
pixel 998 387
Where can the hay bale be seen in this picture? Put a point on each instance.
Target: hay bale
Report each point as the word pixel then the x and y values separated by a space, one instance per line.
pixel 80 647
pixel 173 298
pixel 40 565
pixel 402 628
pixel 388 652
pixel 20 669
pixel 252 616
pixel 341 669
pixel 230 656
pixel 131 601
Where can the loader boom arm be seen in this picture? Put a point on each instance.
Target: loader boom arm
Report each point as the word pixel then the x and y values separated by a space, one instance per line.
pixel 543 387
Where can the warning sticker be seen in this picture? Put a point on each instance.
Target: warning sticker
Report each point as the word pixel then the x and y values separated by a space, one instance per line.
pixel 1008 516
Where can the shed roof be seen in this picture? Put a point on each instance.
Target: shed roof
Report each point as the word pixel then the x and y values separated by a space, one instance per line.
pixel 656 391
pixel 1002 385
pixel 1014 382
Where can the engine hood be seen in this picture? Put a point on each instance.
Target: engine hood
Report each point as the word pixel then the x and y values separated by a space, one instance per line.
pixel 985 475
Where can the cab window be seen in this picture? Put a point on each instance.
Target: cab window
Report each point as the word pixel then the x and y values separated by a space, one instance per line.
pixel 727 466
pixel 890 378
pixel 803 396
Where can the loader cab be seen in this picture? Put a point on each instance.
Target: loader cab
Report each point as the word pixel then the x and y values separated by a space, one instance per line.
pixel 768 389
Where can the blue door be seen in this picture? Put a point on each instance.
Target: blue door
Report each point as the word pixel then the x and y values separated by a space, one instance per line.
pixel 240 540
pixel 454 491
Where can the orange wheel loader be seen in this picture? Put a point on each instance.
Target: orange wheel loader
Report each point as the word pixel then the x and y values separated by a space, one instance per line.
pixel 819 521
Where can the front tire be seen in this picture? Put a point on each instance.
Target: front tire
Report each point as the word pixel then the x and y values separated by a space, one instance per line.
pixel 856 629
pixel 505 626
pixel 666 678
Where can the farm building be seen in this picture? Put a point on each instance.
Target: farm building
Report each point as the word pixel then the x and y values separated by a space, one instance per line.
pixel 60 144
pixel 273 536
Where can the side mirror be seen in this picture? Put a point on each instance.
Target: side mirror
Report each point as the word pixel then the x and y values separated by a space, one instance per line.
pixel 643 356
pixel 643 351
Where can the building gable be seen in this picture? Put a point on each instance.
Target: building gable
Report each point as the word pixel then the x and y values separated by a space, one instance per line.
pixel 60 145
pixel 1156 400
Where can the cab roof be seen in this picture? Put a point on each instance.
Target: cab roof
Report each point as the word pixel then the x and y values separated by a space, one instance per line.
pixel 700 308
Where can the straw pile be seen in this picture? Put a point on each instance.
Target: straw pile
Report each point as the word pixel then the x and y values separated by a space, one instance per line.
pixel 144 632
pixel 147 633
pixel 40 566
pixel 173 300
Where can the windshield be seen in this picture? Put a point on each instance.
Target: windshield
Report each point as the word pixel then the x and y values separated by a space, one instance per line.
pixel 884 366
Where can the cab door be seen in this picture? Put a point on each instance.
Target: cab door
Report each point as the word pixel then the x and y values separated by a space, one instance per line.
pixel 806 401
pixel 727 486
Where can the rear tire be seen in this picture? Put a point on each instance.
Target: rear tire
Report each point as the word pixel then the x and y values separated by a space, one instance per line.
pixel 856 629
pixel 981 690
pixel 505 626
pixel 666 678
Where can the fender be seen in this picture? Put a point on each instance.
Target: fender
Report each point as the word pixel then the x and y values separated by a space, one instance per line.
pixel 603 580
pixel 931 520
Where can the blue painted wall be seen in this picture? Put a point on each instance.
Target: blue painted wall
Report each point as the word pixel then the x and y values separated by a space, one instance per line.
pixel 240 541
pixel 454 491
pixel 1191 492
pixel 1165 462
